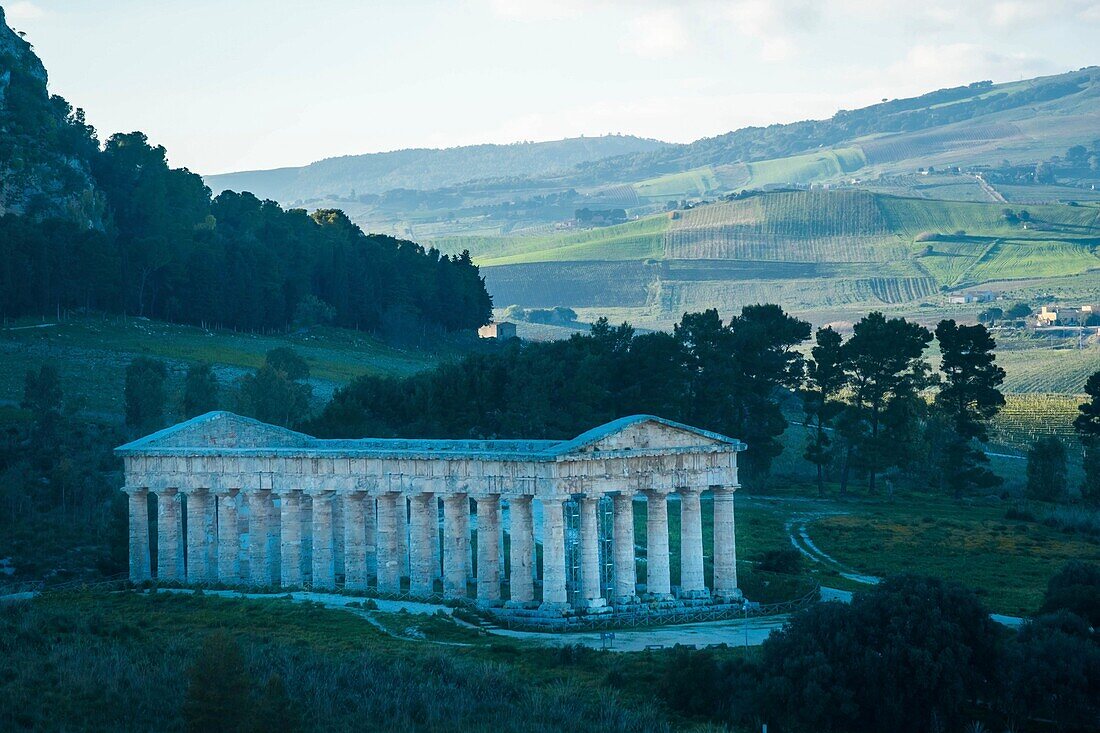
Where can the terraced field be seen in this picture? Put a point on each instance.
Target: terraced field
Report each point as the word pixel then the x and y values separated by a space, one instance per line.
pixel 636 240
pixel 828 252
pixel 1027 417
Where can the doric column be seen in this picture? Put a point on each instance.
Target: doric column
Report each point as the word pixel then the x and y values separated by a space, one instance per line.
pixel 554 597
pixel 261 512
pixel 422 523
pixel 355 541
pixel 437 552
pixel 456 528
pixel 692 584
pixel 725 545
pixel 657 578
pixel 140 569
pixel 488 549
pixel 324 539
pixel 290 549
pixel 626 577
pixel 389 560
pixel 590 551
pixel 403 534
pixel 229 538
pixel 200 510
pixel 522 544
pixel 169 543
pixel 370 514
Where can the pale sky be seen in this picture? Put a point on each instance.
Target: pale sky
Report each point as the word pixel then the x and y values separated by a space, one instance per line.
pixel 239 84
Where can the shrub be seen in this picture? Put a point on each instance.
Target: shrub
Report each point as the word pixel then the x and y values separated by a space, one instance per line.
pixel 1076 589
pixel 787 560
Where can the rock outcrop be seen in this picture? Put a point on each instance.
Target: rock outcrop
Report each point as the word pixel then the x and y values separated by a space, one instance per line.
pixel 45 148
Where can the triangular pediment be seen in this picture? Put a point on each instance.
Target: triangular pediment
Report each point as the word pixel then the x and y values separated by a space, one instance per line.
pixel 219 430
pixel 643 433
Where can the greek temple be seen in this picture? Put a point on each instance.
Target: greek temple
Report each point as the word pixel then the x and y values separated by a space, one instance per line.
pixel 525 524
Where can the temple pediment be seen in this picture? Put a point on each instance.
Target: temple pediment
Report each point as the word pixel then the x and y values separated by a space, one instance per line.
pixel 220 430
pixel 644 433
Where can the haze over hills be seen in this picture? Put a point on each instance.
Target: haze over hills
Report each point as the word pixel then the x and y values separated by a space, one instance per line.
pixel 974 125
pixel 425 168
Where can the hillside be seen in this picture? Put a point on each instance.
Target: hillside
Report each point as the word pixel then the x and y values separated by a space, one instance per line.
pixel 818 252
pixel 425 169
pixel 115 229
pixel 91 355
pixel 45 147
pixel 980 121
pixel 880 147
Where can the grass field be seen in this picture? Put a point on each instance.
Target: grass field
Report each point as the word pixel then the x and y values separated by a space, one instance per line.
pixel 637 240
pixel 1007 562
pixel 115 661
pixel 91 355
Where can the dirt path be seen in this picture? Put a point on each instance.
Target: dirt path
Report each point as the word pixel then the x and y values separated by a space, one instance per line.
pixel 800 539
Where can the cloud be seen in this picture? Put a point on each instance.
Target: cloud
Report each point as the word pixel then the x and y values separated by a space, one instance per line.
pixel 23 11
pixel 537 10
pixel 776 26
pixel 656 34
pixel 931 66
pixel 1016 13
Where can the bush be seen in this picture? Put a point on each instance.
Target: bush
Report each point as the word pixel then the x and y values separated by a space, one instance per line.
pixel 839 668
pixel 1019 513
pixel 1076 589
pixel 788 561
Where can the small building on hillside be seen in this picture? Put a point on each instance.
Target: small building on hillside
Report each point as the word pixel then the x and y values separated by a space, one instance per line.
pixel 1086 315
pixel 972 297
pixel 500 331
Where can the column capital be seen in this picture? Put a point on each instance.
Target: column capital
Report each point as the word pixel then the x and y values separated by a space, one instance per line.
pixel 226 492
pixel 283 491
pixel 319 493
pixel 190 490
pixel 658 491
pixel 168 491
pixel 690 490
pixel 725 489
pixel 135 490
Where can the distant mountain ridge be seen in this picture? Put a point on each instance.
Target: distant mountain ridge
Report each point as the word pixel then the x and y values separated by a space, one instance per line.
pixel 427 168
pixel 980 122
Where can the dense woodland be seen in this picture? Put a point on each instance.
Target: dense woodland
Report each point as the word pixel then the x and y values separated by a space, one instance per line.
pixel 114 228
pixel 171 252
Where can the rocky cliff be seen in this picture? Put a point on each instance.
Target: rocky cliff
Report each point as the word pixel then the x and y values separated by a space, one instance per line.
pixel 46 149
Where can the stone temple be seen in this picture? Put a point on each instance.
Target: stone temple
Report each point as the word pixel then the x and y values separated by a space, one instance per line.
pixel 229 500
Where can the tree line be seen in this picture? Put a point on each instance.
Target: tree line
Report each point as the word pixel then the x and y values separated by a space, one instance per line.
pixel 168 250
pixel 871 405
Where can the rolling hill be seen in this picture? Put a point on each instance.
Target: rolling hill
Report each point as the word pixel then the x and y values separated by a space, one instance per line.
pixel 816 251
pixel 525 189
pixel 425 169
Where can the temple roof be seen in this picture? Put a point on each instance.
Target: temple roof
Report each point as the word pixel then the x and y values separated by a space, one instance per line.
pixel 224 433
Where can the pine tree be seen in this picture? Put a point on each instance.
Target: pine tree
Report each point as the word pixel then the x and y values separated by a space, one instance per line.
pixel 969 397
pixel 884 362
pixel 1087 425
pixel 200 390
pixel 144 394
pixel 825 378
